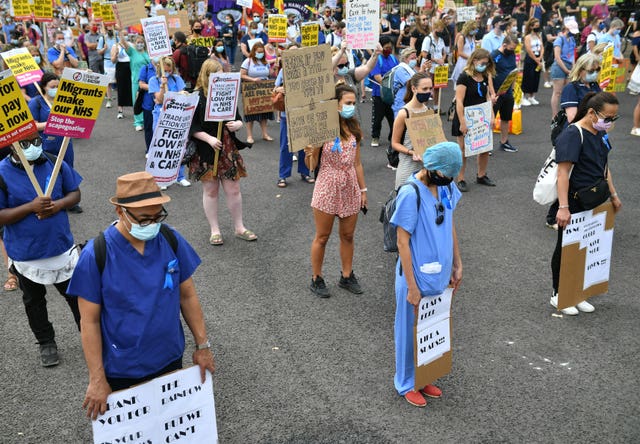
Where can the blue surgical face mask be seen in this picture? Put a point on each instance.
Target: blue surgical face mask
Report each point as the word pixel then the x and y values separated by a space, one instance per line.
pixel 142 233
pixel 412 63
pixel 616 32
pixel 481 68
pixel 227 21
pixel 51 92
pixel 259 55
pixel 347 111
pixel 473 32
pixel 219 49
pixel 602 26
pixel 591 77
pixel 37 59
pixel 343 71
pixel 32 153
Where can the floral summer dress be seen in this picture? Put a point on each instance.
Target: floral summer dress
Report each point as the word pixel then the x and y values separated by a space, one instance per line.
pixel 337 190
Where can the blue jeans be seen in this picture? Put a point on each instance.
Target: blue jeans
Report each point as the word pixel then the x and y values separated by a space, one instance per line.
pixel 286 158
pixel 231 52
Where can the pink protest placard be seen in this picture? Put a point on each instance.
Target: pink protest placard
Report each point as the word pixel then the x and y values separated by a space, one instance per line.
pixel 23 66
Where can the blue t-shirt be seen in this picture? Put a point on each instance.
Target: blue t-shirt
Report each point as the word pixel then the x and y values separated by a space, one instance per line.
pixel 492 42
pixel 504 65
pixel 574 92
pixel 174 84
pixel 53 54
pixel 146 73
pixel 384 65
pixel 431 244
pixel 32 238
pixel 589 156
pixel 40 112
pixel 400 81
pixel 31 90
pixel 567 48
pixel 615 41
pixel 139 312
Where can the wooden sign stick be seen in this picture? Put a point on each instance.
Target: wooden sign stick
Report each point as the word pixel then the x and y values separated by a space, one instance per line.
pixel 57 166
pixel 217 152
pixel 28 168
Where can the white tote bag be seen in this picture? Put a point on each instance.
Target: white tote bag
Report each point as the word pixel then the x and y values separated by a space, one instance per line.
pixel 545 190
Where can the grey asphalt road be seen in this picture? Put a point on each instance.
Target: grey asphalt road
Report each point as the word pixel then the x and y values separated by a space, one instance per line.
pixel 295 369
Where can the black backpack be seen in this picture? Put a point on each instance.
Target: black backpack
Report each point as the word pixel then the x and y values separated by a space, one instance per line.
pixel 559 121
pixel 196 55
pixel 390 237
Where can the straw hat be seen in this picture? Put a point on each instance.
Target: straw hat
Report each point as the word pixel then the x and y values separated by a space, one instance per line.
pixel 138 190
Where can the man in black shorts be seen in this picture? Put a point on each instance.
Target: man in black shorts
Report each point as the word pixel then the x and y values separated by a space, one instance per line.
pixel 505 61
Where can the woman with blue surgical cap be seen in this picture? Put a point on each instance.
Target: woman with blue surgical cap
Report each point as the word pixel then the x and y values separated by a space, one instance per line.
pixel 428 251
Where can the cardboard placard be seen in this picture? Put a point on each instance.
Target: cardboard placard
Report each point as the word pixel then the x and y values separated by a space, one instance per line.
pixel 309 34
pixel 466 13
pixel 77 104
pixel 308 75
pixel 425 130
pixel 170 136
pixel 313 124
pixel 128 12
pixel 363 24
pixel 244 3
pixel 43 11
pixel 508 82
pixel 21 9
pixel 108 15
pixel 207 42
pixel 22 65
pixel 441 76
pixel 16 121
pixel 222 96
pixel 172 407
pixel 156 35
pixel 432 338
pixel 586 255
pixel 176 21
pixel 479 137
pixel 277 28
pixel 256 97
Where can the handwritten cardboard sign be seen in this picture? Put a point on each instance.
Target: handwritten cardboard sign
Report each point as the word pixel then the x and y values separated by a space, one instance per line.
pixel 22 65
pixel 77 104
pixel 176 20
pixel 479 137
pixel 16 121
pixel 128 12
pixel 277 28
pixel 425 130
pixel 256 97
pixel 175 407
pixel 363 24
pixel 586 255
pixel 466 13
pixel 309 34
pixel 156 34
pixel 308 75
pixel 170 136
pixel 222 96
pixel 313 124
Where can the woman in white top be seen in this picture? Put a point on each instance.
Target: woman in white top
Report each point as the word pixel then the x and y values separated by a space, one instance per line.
pixel 465 44
pixel 433 49
pixel 533 61
pixel 253 69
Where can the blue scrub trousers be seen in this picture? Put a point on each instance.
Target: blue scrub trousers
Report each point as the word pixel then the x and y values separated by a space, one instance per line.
pixel 286 158
pixel 404 379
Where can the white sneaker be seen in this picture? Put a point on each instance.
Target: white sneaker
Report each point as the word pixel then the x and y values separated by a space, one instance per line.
pixel 635 132
pixel 533 101
pixel 120 115
pixel 375 142
pixel 525 102
pixel 108 105
pixel 585 307
pixel 569 311
pixel 163 187
pixel 184 183
pixel 548 84
pixel 295 158
pixel 139 127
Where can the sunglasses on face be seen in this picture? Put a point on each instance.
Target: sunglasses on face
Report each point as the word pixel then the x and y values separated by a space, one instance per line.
pixel 146 221
pixel 24 144
pixel 606 119
pixel 591 71
pixel 343 65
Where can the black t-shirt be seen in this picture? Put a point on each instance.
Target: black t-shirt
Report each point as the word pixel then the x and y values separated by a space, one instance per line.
pixel 589 157
pixel 419 38
pixel 476 91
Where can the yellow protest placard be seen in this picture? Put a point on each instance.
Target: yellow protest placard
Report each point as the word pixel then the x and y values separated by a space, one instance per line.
pixel 441 76
pixel 16 121
pixel 508 82
pixel 203 41
pixel 97 11
pixel 43 10
pixel 277 28
pixel 22 65
pixel 77 104
pixel 21 9
pixel 108 16
pixel 309 34
pixel 607 75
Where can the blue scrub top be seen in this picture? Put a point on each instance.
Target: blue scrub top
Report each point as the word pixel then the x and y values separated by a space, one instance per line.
pixel 504 65
pixel 32 238
pixel 139 313
pixel 384 65
pixel 400 83
pixel 567 48
pixel 146 73
pixel 429 243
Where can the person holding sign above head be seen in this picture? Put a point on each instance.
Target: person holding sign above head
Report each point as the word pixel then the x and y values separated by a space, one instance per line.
pixel 254 69
pixel 340 191
pixel 473 88
pixel 381 110
pixel 582 152
pixel 61 56
pixel 428 252
pixel 38 237
pixel 138 58
pixel 416 99
pixel 504 59
pixel 131 284
pixel 230 167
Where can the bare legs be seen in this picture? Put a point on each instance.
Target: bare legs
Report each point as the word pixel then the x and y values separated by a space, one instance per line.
pixel 324 225
pixel 483 160
pixel 558 84
pixel 231 188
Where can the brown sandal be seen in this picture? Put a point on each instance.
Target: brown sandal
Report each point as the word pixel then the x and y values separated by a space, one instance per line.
pixel 11 283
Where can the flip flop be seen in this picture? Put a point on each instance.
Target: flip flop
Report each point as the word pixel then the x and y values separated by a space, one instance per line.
pixel 268 139
pixel 307 179
pixel 216 239
pixel 11 283
pixel 248 236
pixel 282 183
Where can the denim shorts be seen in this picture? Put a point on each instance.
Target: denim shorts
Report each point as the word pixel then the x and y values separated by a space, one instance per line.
pixel 557 73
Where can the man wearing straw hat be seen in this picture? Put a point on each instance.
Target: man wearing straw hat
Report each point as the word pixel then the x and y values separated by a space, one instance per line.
pixel 132 284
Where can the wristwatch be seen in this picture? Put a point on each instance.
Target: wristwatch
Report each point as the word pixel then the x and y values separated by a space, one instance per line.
pixel 204 346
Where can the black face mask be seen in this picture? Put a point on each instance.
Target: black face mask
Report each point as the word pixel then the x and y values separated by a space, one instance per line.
pixel 509 52
pixel 536 29
pixel 197 30
pixel 440 34
pixel 423 97
pixel 503 28
pixel 439 181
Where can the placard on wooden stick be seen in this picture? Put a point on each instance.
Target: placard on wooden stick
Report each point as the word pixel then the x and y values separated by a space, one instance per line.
pixel 256 97
pixel 586 255
pixel 425 130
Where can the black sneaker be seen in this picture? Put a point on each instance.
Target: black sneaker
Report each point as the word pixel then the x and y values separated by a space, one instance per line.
pixel 350 283
pixel 319 288
pixel 484 180
pixel 76 209
pixel 49 354
pixel 508 147
pixel 462 186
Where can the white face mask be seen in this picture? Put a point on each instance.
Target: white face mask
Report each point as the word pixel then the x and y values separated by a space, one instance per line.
pixel 33 152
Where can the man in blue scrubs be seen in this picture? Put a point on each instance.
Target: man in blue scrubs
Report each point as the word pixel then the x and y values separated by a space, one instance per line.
pixel 429 256
pixel 131 329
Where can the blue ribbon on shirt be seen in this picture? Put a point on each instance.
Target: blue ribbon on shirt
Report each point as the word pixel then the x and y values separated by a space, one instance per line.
pixel 337 146
pixel 171 268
